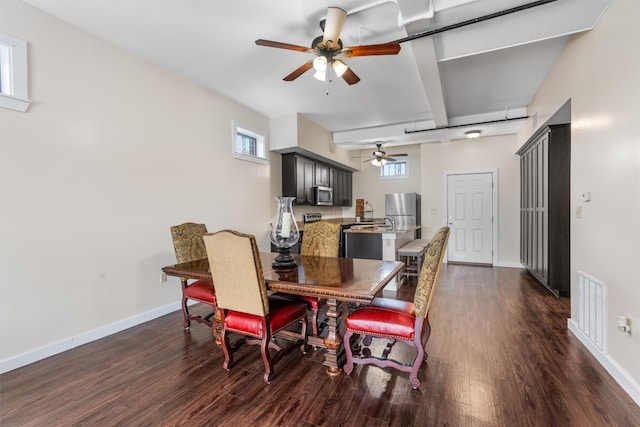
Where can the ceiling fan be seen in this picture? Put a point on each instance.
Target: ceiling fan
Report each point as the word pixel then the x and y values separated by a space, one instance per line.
pixel 380 157
pixel 328 46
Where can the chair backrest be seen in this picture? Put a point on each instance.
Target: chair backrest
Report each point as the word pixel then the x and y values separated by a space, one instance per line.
pixel 236 270
pixel 430 272
pixel 321 238
pixel 187 241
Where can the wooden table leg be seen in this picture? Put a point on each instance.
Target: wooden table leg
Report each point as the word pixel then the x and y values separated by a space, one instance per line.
pixel 333 340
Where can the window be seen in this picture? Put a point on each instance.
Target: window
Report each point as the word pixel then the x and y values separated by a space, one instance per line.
pixel 399 169
pixel 13 73
pixel 246 144
pixel 249 144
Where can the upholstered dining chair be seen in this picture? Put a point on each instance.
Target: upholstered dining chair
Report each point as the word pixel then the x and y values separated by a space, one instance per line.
pixel 244 305
pixel 189 246
pixel 397 320
pixel 321 238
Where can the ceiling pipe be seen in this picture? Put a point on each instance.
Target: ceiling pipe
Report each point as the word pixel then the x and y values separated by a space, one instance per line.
pixel 508 119
pixel 474 21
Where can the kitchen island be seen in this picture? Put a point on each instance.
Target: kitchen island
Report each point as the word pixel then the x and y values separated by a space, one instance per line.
pixel 377 241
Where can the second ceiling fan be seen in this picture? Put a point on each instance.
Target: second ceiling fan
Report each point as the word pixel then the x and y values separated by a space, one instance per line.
pixel 380 157
pixel 328 46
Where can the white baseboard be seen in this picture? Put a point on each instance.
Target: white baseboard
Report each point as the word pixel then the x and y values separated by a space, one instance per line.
pixel 508 264
pixel 84 338
pixel 627 383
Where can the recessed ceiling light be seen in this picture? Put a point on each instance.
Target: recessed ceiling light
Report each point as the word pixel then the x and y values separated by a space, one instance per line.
pixel 473 133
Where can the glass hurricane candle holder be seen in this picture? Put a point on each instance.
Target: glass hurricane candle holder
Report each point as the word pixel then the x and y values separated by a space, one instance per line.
pixel 283 233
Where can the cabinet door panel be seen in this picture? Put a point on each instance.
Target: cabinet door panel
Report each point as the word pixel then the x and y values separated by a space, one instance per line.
pixel 321 174
pixel 308 171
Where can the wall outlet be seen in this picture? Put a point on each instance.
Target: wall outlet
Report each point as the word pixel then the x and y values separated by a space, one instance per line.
pixel 163 277
pixel 623 324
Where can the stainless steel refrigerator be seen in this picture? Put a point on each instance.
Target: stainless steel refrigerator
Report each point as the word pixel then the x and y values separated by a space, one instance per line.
pixel 404 209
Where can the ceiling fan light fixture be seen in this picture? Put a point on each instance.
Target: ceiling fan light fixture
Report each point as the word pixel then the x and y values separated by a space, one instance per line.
pixel 320 64
pixel 473 133
pixel 383 161
pixel 320 75
pixel 376 162
pixel 339 67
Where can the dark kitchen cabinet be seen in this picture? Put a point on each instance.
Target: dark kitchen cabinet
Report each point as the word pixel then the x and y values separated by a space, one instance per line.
pixel 300 174
pixel 545 161
pixel 322 176
pixel 341 182
pixel 297 178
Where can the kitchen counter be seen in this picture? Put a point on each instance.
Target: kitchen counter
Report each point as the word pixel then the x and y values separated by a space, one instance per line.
pixel 379 228
pixel 345 221
pixel 377 242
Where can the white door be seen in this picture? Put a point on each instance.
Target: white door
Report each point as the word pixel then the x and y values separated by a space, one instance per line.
pixel 470 217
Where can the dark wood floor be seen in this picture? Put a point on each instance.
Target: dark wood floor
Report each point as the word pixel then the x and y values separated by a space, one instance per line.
pixel 499 355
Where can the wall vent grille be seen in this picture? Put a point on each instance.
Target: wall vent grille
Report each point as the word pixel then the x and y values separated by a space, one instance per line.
pixel 592 294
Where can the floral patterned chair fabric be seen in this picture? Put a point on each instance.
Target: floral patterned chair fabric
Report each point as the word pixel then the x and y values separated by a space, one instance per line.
pixel 189 246
pixel 322 239
pixel 400 320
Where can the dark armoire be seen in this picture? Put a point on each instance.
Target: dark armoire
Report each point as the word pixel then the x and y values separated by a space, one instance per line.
pixel 545 183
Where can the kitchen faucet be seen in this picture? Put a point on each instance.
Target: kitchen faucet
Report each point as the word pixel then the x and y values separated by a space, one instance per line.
pixel 391 221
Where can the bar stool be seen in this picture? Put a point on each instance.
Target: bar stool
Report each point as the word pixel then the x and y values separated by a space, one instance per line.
pixel 412 254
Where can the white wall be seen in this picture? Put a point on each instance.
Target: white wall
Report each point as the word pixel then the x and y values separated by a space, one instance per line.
pixel 112 152
pixel 428 162
pixel 296 133
pixel 600 72
pixel 490 152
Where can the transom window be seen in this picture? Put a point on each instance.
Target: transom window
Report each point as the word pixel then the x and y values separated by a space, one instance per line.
pixel 4 69
pixel 399 169
pixel 248 144
pixel 13 73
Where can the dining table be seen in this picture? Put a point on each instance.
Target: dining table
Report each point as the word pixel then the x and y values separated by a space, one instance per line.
pixel 336 280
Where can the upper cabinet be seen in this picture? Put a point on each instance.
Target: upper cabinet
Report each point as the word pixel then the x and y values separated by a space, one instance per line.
pixel 297 178
pixel 300 174
pixel 341 182
pixel 322 176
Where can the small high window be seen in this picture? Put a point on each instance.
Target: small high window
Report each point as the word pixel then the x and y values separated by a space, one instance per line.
pixel 399 169
pixel 249 144
pixel 13 73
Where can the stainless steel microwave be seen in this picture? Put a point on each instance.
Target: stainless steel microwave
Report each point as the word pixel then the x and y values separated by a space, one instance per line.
pixel 323 196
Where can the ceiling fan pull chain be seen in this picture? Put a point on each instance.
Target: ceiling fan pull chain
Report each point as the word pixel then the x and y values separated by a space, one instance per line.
pixel 329 69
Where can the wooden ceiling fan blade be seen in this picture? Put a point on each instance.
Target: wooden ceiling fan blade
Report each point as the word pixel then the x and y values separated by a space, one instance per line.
pixel 350 77
pixel 390 159
pixel 299 71
pixel 372 49
pixel 333 25
pixel 269 43
pixel 398 155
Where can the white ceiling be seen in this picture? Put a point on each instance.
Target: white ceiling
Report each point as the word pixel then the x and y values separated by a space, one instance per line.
pixel 485 71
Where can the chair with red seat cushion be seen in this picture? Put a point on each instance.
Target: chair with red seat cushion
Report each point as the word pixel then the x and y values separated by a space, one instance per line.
pixel 400 320
pixel 321 238
pixel 189 246
pixel 244 305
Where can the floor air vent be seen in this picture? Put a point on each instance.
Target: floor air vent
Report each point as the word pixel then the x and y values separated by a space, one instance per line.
pixel 592 309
